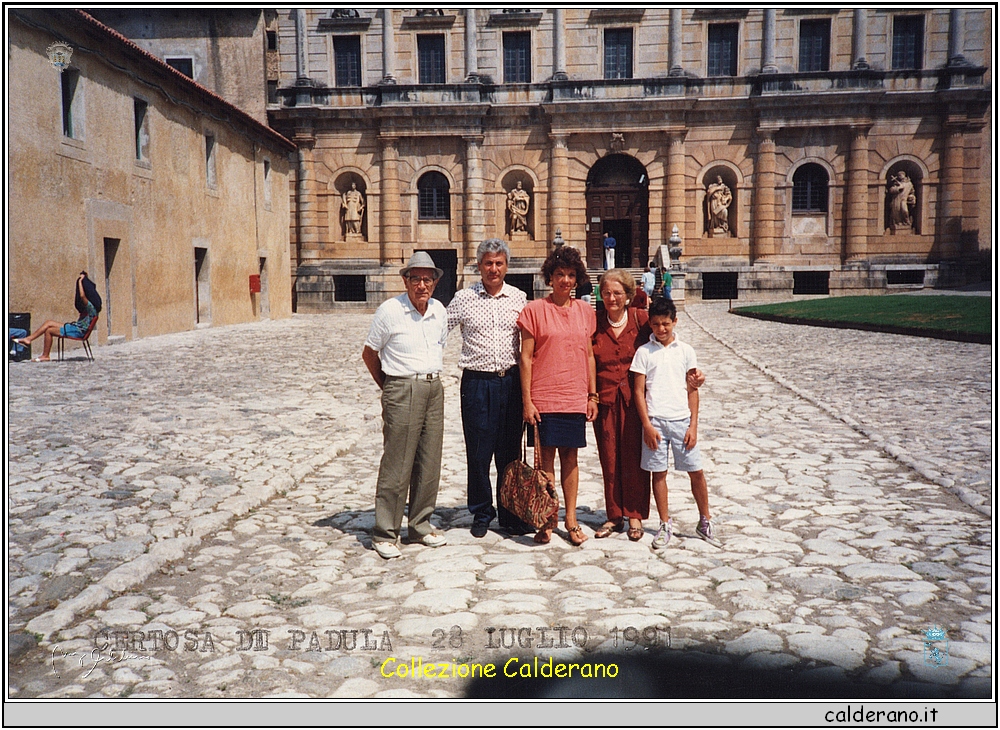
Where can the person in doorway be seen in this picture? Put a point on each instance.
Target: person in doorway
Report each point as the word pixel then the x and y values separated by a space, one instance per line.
pixel 558 377
pixel 404 354
pixel 487 312
pixel 609 251
pixel 88 304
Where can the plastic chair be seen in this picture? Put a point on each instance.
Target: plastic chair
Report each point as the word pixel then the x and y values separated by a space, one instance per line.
pixel 85 340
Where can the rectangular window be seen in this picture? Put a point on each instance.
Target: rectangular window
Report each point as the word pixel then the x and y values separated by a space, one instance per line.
pixel 618 53
pixel 814 45
pixel 272 40
pixel 347 60
pixel 349 288
pixel 267 181
pixel 723 45
pixel 184 65
pixel 908 41
pixel 517 58
pixel 210 177
pixel 70 82
pixel 272 92
pixel 430 58
pixel 811 282
pixel 434 204
pixel 141 130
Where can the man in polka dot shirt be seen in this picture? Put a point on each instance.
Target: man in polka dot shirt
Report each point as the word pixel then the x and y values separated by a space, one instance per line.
pixel 492 421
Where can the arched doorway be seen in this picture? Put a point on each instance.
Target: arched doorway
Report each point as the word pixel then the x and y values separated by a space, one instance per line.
pixel 618 204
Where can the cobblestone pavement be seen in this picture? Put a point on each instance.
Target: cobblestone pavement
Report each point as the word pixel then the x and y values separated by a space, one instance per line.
pixel 217 486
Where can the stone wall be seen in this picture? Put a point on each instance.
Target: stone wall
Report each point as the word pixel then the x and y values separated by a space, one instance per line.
pixel 89 201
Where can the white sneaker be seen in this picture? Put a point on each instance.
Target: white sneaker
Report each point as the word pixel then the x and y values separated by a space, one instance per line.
pixel 387 550
pixel 433 540
pixel 664 534
pixel 706 532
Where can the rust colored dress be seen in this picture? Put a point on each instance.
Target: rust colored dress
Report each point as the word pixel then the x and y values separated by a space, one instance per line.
pixel 617 428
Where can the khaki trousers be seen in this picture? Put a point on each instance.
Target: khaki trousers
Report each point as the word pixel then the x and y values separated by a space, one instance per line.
pixel 412 434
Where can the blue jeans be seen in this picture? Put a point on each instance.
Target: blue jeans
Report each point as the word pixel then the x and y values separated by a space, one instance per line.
pixel 492 422
pixel 16 333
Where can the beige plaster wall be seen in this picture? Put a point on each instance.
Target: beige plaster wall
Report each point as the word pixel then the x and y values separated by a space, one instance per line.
pixel 68 195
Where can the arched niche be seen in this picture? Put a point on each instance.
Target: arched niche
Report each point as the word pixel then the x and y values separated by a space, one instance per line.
pixel 720 188
pixel 518 191
pixel 903 196
pixel 348 205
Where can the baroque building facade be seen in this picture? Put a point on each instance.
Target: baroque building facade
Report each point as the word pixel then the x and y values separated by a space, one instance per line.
pixel 174 201
pixel 795 150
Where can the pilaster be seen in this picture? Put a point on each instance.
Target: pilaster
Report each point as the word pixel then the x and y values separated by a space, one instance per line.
pixel 762 245
pixel 390 250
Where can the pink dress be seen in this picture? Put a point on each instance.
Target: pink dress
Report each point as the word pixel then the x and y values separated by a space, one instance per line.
pixel 559 366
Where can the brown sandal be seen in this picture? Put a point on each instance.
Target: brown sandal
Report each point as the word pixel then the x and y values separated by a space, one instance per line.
pixel 576 535
pixel 543 536
pixel 608 529
pixel 635 533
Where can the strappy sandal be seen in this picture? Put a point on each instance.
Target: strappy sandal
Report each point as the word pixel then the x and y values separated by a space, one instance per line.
pixel 576 535
pixel 543 536
pixel 635 533
pixel 608 529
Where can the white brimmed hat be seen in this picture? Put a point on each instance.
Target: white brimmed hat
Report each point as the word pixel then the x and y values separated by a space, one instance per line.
pixel 421 260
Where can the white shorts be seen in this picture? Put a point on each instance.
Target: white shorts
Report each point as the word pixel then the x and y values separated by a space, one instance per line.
pixel 671 439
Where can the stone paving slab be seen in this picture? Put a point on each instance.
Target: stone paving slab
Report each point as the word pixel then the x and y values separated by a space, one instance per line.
pixel 213 490
pixel 926 402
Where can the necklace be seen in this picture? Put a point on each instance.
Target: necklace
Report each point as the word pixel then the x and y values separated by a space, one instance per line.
pixel 621 322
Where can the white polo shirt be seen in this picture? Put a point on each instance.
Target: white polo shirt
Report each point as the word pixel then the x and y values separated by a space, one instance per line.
pixel 408 343
pixel 666 370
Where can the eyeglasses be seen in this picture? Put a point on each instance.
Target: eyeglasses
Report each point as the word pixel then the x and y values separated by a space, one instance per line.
pixel 425 280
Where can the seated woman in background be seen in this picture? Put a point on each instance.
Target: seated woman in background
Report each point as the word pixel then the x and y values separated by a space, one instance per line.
pixel 87 306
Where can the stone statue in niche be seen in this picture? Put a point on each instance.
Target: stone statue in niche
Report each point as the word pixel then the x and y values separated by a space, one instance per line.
pixel 353 205
pixel 902 200
pixel 720 197
pixel 344 13
pixel 426 12
pixel 518 202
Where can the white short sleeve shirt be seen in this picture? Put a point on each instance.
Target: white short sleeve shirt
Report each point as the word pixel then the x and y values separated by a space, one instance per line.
pixel 666 370
pixel 408 343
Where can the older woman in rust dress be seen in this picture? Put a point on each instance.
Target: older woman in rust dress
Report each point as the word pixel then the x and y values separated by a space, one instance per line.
pixel 621 330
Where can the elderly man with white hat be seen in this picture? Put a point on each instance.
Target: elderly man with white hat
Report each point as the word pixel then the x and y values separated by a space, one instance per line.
pixel 404 352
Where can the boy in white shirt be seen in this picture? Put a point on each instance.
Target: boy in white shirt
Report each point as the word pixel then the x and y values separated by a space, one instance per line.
pixel 668 409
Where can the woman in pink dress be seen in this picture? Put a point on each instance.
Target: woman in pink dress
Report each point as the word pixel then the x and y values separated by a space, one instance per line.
pixel 558 377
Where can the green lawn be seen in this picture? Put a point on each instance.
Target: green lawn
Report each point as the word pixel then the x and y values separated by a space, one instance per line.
pixel 929 314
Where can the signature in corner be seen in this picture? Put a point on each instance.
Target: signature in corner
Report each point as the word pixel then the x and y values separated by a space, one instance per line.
pixel 95 657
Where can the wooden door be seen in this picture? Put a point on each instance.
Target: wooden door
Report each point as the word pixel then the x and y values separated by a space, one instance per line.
pixel 611 209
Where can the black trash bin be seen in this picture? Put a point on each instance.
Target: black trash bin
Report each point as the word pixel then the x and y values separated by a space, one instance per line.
pixel 20 320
